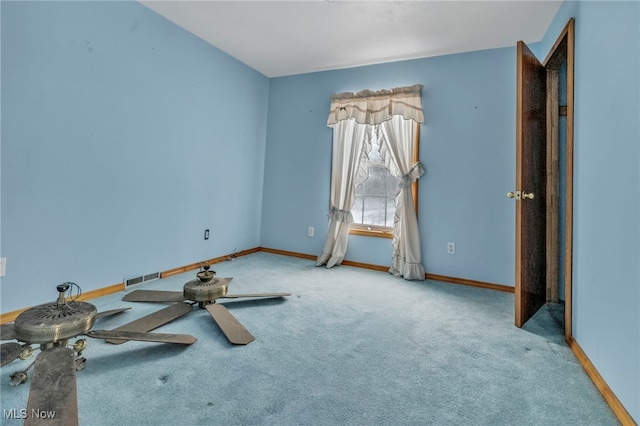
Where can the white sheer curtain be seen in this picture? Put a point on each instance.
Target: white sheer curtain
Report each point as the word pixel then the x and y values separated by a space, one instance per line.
pixel 347 166
pixel 397 112
pixel 397 147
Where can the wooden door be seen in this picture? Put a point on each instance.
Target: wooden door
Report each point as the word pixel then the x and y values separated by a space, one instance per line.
pixel 530 196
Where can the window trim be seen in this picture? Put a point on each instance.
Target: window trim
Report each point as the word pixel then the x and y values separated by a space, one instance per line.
pixel 370 231
pixel 387 231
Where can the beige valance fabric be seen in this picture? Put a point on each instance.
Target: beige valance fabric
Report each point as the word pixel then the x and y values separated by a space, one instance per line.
pixel 367 107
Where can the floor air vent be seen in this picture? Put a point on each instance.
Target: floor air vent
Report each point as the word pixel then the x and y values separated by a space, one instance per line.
pixel 141 279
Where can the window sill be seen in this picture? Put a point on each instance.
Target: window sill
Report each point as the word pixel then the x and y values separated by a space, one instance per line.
pixel 378 233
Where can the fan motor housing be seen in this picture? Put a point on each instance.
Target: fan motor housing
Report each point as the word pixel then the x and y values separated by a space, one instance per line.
pixel 52 322
pixel 205 291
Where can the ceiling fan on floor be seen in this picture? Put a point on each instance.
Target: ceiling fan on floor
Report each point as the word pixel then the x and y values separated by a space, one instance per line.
pixel 203 291
pixel 53 395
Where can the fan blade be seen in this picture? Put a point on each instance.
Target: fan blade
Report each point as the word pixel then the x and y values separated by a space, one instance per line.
pixel 9 352
pixel 53 396
pixel 6 332
pixel 154 296
pixel 154 320
pixel 235 332
pixel 111 312
pixel 237 296
pixel 181 339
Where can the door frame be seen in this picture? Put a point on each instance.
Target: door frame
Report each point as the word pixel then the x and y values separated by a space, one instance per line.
pixel 566 40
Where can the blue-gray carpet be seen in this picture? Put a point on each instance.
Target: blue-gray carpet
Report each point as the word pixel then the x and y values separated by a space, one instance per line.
pixel 349 347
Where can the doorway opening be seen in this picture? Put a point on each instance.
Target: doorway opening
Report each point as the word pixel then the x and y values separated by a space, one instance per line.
pixel 560 68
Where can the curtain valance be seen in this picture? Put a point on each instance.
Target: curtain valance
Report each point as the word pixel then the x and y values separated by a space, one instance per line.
pixel 368 107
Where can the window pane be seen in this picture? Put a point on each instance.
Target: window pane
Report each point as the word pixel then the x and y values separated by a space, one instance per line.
pixel 357 210
pixel 375 198
pixel 391 209
pixel 374 210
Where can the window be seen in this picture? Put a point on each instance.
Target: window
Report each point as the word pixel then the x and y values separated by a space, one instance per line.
pixel 375 207
pixel 375 198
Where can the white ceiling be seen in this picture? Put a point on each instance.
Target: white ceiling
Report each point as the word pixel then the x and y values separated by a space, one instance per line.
pixel 279 38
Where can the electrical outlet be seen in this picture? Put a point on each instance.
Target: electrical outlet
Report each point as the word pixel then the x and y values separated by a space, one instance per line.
pixel 206 234
pixel 3 266
pixel 451 248
pixel 311 232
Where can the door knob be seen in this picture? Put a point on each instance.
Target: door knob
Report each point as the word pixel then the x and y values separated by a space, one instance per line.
pixel 515 195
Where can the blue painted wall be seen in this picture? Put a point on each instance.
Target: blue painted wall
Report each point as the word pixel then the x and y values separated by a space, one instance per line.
pixel 466 145
pixel 123 138
pixel 606 243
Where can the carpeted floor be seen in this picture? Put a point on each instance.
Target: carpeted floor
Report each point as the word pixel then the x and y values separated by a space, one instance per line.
pixel 349 347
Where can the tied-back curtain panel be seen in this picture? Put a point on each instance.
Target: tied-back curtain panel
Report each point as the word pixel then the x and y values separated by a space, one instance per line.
pixel 397 113
pixel 347 166
pixel 397 146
